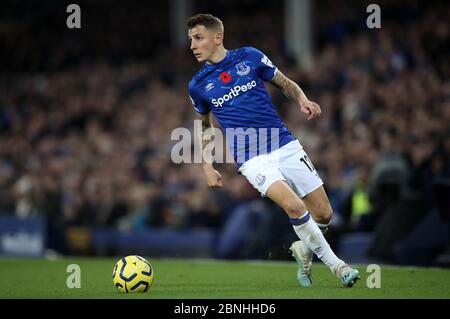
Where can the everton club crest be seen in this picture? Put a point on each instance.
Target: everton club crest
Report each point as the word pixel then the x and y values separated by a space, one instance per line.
pixel 242 69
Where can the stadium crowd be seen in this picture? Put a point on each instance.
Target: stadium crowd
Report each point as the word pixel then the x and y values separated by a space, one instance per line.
pixel 87 141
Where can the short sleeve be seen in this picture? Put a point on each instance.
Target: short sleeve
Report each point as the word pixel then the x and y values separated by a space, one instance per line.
pixel 197 101
pixel 264 66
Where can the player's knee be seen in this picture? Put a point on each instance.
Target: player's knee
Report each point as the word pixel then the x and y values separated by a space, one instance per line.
pixel 324 215
pixel 294 208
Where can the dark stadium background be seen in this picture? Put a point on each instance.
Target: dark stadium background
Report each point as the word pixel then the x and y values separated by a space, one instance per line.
pixel 86 117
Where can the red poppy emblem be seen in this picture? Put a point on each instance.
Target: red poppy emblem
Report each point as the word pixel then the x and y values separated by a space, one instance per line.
pixel 225 77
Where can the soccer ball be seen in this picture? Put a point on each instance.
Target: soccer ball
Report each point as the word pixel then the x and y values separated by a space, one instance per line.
pixel 133 274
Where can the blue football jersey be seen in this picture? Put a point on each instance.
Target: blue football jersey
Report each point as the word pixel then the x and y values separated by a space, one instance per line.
pixel 234 91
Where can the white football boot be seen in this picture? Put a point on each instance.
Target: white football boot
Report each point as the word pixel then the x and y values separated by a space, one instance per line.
pixel 303 255
pixel 347 275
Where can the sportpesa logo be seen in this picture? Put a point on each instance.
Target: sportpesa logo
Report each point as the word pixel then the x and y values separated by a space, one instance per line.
pixel 235 91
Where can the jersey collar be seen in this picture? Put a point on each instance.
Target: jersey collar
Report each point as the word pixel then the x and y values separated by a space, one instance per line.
pixel 222 62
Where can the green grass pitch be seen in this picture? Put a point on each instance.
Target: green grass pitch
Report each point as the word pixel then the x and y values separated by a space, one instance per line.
pixel 204 279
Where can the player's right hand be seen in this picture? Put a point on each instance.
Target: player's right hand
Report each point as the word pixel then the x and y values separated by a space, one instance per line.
pixel 311 108
pixel 213 177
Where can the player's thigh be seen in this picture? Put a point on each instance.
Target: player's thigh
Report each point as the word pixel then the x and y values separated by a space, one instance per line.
pixel 298 169
pixel 318 205
pixel 282 194
pixel 261 173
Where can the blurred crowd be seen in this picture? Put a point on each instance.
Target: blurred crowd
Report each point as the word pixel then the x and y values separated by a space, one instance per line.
pixel 86 141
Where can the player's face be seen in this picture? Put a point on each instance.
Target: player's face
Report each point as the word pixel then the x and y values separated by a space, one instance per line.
pixel 204 42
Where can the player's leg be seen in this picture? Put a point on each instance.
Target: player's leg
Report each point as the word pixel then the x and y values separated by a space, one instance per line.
pixel 305 181
pixel 266 177
pixel 321 213
pixel 263 174
pixel 319 206
pixel 320 209
pixel 295 208
pixel 305 228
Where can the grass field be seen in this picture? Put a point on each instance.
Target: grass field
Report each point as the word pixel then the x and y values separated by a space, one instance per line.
pixel 204 279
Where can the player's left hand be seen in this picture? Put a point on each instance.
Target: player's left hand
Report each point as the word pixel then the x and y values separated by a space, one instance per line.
pixel 311 108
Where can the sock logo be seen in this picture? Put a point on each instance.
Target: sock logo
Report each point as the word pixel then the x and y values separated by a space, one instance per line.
pixel 317 250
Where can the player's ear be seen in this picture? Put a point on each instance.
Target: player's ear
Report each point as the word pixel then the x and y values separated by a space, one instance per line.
pixel 218 39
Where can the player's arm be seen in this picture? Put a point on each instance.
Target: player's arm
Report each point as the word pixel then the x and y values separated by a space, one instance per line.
pixel 293 92
pixel 213 177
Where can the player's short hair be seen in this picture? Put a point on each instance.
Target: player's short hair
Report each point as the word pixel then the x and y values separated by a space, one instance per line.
pixel 207 20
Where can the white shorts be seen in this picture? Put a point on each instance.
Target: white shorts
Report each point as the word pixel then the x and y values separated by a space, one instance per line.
pixel 288 163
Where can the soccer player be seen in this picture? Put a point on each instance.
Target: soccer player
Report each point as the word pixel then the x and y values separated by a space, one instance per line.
pixel 231 86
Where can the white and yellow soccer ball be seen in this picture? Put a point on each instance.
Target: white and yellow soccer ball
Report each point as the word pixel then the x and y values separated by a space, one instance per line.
pixel 133 274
